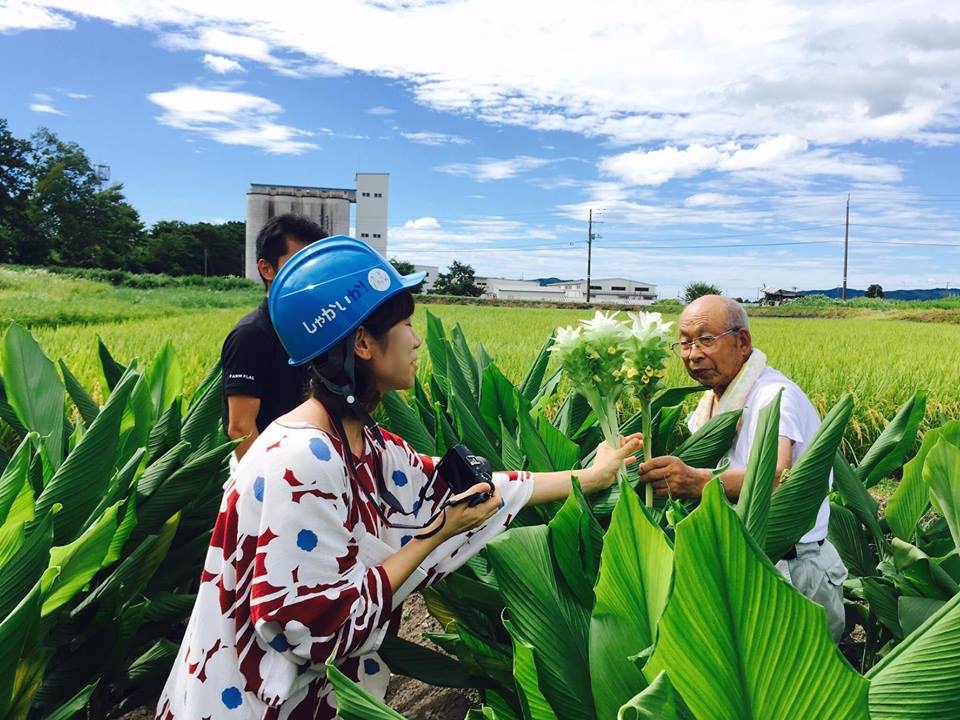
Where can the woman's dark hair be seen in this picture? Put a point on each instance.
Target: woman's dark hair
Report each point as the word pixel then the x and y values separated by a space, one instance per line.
pixel 378 323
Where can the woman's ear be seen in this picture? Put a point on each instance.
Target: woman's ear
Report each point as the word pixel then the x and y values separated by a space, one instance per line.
pixel 362 346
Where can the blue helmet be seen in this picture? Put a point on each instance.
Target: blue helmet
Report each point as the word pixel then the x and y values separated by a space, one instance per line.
pixel 326 290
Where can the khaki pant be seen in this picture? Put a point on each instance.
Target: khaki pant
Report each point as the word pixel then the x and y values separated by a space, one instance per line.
pixel 818 572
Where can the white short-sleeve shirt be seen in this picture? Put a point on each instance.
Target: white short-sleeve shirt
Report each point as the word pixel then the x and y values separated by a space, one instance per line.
pixel 798 421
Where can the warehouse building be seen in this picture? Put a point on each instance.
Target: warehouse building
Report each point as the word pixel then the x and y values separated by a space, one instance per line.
pixel 328 207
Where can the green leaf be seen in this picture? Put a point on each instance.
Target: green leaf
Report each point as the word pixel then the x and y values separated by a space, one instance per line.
pixel 87 406
pixel 891 447
pixel 547 616
pixel 355 703
pixel 424 664
pixel 33 389
pixel 847 536
pixel 201 425
pixel 82 479
pixel 576 540
pixel 470 431
pixel 461 389
pixel 26 566
pixel 664 426
pixel 111 370
pixel 705 447
pixel 137 420
pixel 914 611
pixel 795 503
pixel 497 401
pixel 636 573
pixel 165 378
pixel 74 705
pixel 659 701
pixel 856 498
pixel 754 504
pixel 181 487
pixel 534 704
pixel 8 414
pixel 917 680
pixel 919 574
pixel 165 433
pixel 80 561
pixel 941 472
pixel 15 628
pixel 911 498
pixel 737 640
pixel 510 450
pixel 530 386
pixel 532 444
pixel 162 468
pixel 155 662
pixel 15 476
pixel 407 424
pixel 437 349
pixel 572 414
pixel 674 396
pixel 464 359
pixel 883 603
pixel 564 454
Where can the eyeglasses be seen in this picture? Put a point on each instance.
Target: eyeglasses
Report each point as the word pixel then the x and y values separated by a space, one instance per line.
pixel 704 342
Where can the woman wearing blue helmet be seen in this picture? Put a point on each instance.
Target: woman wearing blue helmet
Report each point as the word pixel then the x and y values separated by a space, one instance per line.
pixel 328 523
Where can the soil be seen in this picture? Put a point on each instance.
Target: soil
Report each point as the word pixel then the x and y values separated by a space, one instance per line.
pixel 411 698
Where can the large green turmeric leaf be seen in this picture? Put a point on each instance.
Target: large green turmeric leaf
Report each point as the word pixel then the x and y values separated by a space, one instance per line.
pixel 920 678
pixel 547 616
pixel 738 641
pixel 636 572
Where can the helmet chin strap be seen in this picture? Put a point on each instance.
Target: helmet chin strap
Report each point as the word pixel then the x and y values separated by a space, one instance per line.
pixel 340 363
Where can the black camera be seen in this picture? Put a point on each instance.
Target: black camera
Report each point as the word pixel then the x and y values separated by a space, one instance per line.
pixel 461 471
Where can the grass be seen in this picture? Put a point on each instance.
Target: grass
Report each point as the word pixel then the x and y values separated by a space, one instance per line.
pixel 880 360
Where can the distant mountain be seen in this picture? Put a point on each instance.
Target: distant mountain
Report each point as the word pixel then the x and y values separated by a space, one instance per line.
pixel 919 294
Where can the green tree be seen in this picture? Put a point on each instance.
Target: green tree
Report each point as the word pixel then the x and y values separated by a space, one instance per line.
pixel 402 266
pixel 71 219
pixel 697 289
pixel 460 279
pixel 15 184
pixel 874 291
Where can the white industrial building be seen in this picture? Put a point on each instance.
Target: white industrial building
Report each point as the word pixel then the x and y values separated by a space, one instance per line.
pixel 606 290
pixel 432 271
pixel 610 290
pixel 328 207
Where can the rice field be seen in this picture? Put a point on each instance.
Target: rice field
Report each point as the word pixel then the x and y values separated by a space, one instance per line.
pixel 880 361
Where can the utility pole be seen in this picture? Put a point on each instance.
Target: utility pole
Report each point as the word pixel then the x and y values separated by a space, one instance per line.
pixel 589 249
pixel 846 242
pixel 590 238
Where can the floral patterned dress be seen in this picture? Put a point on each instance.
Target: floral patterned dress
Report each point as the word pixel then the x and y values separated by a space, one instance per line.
pixel 293 578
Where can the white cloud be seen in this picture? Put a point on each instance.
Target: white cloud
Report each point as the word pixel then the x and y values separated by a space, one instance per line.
pixel 77 96
pixel 434 138
pixel 232 118
pixel 17 15
pixel 780 157
pixel 486 169
pixel 222 65
pixel 712 199
pixel 381 110
pixel 684 83
pixel 44 108
pixel 424 223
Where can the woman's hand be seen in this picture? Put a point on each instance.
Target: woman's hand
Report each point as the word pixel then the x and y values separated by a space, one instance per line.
pixel 602 473
pixel 460 518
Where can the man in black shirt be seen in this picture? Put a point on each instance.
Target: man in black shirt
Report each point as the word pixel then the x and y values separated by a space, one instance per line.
pixel 258 384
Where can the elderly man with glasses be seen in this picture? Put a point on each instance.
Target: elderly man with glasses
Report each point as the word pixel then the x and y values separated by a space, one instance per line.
pixel 717 350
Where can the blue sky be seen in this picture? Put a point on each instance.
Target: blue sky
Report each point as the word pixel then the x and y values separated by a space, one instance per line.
pixel 717 141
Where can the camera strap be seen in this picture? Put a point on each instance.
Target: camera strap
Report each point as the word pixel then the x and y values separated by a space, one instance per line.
pixel 388 497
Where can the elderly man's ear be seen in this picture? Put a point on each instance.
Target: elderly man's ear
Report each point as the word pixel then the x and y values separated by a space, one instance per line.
pixel 745 342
